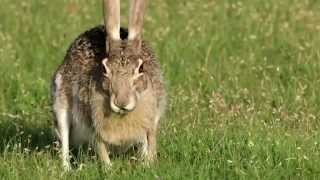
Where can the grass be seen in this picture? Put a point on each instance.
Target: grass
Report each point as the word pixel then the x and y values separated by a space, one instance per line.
pixel 243 80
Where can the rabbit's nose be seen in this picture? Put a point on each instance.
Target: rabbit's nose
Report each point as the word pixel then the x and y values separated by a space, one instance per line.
pixel 125 104
pixel 120 103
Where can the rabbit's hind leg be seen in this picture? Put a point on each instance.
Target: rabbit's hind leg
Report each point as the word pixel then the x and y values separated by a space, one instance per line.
pixel 62 114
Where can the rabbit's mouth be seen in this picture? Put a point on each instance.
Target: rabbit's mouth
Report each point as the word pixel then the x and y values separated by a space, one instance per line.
pixel 122 107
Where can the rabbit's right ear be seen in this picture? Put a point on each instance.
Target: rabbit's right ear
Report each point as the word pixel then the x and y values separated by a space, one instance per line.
pixel 108 71
pixel 136 14
pixel 111 9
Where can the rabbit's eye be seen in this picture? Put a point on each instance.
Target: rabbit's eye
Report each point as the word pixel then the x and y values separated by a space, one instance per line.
pixel 138 72
pixel 107 73
pixel 141 68
pixel 106 77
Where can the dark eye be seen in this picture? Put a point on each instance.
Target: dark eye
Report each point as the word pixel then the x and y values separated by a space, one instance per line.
pixel 141 68
pixel 107 74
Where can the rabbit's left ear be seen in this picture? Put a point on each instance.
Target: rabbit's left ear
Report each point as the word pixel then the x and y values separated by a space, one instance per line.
pixel 136 14
pixel 112 23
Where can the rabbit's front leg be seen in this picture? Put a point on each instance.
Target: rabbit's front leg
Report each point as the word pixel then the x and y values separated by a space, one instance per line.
pixel 148 149
pixel 103 152
pixel 149 143
pixel 98 115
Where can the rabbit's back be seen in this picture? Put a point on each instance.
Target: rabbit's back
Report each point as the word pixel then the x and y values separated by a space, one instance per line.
pixel 84 55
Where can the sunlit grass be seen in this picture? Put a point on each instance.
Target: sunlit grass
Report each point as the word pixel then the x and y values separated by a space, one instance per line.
pixel 243 79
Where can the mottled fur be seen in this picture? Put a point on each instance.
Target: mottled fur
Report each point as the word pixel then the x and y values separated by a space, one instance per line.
pixel 81 96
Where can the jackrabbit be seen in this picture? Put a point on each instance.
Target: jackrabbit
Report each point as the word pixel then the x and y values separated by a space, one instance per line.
pixel 109 89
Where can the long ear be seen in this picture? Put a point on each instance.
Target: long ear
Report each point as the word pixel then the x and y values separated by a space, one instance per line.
pixel 112 21
pixel 136 14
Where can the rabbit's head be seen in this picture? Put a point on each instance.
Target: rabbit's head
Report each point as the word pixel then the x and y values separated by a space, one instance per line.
pixel 124 80
pixel 125 77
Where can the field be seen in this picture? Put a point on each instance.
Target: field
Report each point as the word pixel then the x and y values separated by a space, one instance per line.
pixel 243 80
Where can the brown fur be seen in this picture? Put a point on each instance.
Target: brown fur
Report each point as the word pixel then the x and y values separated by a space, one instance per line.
pixel 112 22
pixel 84 92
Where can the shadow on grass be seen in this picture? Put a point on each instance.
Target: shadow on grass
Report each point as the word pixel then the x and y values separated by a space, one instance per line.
pixel 17 135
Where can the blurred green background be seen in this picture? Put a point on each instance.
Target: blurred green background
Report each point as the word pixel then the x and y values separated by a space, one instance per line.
pixel 243 78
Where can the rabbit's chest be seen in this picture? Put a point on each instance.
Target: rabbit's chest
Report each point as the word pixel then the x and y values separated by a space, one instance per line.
pixel 125 130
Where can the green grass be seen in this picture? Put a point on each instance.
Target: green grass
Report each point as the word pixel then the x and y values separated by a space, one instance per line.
pixel 243 81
